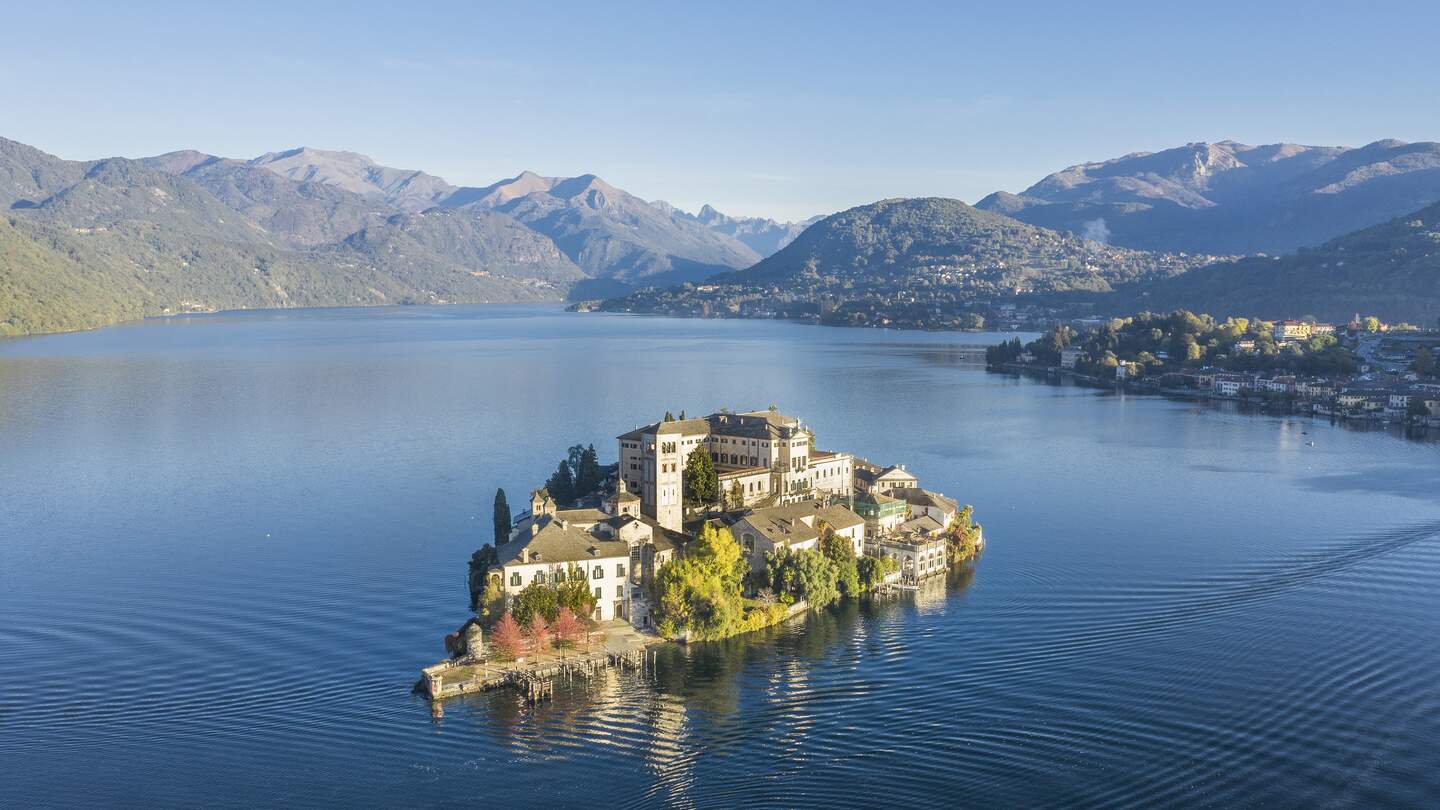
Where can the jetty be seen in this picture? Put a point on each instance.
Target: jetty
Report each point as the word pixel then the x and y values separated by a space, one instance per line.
pixel 534 676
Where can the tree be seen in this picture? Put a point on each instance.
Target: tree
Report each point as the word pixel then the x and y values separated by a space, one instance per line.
pixel 539 633
pixel 1370 323
pixel 537 599
pixel 839 550
pixel 702 485
pixel 873 570
pixel 1416 408
pixel 1424 362
pixel 963 535
pixel 507 639
pixel 805 574
pixel 501 518
pixel 587 472
pixel 736 498
pixel 700 592
pixel 567 628
pixel 561 484
pixel 575 595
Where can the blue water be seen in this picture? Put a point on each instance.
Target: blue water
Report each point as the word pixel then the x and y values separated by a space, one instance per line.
pixel 228 543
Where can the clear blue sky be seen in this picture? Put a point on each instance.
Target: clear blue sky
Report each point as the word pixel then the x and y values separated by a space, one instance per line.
pixel 776 108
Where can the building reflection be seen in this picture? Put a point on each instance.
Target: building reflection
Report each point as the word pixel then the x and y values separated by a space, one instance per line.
pixel 697 698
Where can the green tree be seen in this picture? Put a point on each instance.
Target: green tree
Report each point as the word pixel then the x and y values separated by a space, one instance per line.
pixel 501 519
pixel 561 484
pixel 806 574
pixel 839 550
pixel 537 599
pixel 1370 323
pixel 700 592
pixel 702 485
pixel 587 472
pixel 574 593
pixel 873 570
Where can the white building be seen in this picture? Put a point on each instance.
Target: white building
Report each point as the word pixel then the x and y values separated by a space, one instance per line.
pixel 767 454
pixel 616 550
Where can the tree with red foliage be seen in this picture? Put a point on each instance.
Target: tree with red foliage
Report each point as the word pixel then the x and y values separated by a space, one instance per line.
pixel 539 633
pixel 566 627
pixel 506 637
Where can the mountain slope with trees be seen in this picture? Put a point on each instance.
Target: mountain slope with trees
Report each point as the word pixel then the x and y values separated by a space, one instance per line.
pixel 932 241
pixel 1392 270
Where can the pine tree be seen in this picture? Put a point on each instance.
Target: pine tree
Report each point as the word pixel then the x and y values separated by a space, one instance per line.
pixel 587 473
pixel 501 519
pixel 561 485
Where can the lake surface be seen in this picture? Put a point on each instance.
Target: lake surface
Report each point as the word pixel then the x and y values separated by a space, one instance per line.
pixel 228 543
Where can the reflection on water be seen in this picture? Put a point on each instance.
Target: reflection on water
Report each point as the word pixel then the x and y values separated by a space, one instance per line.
pixel 227 544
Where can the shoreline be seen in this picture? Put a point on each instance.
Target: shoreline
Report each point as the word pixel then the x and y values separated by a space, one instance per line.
pixel 534 679
pixel 1247 404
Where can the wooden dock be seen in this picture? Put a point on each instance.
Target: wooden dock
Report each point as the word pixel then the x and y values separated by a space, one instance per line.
pixel 535 678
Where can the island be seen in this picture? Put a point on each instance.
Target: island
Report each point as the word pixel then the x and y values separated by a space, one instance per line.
pixel 704 528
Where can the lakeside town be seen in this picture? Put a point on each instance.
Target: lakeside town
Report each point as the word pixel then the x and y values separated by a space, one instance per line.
pixel 1365 370
pixel 704 528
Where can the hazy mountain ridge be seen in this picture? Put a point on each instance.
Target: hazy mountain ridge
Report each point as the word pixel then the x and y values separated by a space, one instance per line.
pixel 610 233
pixel 1231 198
pixel 762 235
pixel 188 230
pixel 90 242
pixel 406 189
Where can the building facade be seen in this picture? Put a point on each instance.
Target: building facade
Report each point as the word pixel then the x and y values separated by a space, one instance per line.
pixel 763 457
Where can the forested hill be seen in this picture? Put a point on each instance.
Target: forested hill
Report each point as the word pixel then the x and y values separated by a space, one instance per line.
pixel 1391 270
pixel 938 241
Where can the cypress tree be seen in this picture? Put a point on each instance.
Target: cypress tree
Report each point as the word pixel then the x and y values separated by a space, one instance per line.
pixel 502 518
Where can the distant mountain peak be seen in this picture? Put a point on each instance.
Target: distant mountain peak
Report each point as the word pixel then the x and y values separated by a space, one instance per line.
pixel 406 189
pixel 1231 197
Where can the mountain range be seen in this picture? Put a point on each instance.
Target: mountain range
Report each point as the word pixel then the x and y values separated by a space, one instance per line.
pixel 1231 198
pixel 85 243
pixel 90 242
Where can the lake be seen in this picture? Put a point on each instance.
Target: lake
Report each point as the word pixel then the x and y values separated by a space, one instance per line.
pixel 228 543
